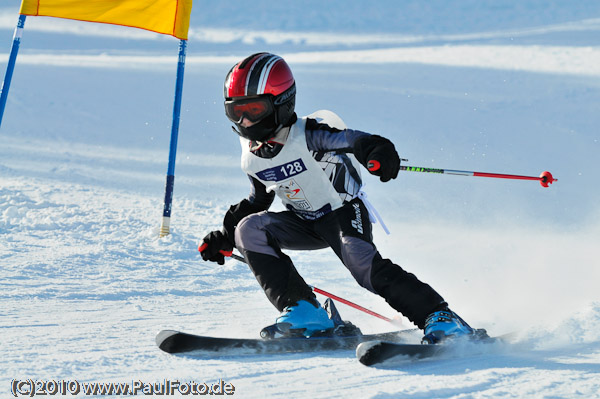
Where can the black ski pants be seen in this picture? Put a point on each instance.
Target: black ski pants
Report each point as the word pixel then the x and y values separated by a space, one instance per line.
pixel 261 237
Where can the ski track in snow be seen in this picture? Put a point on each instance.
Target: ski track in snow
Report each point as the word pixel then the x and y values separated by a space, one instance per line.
pixel 86 282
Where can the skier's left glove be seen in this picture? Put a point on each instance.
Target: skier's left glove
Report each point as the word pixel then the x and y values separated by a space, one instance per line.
pixel 215 247
pixel 378 155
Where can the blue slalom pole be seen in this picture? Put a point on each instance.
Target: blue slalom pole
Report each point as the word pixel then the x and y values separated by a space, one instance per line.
pixel 11 64
pixel 166 219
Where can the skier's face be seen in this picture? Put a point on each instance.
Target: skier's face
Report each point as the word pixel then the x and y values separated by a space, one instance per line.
pixel 246 122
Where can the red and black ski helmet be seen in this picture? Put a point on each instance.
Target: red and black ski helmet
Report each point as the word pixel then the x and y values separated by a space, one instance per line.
pixel 262 89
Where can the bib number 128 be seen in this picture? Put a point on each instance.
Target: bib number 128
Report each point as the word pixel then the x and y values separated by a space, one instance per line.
pixel 282 172
pixel 292 168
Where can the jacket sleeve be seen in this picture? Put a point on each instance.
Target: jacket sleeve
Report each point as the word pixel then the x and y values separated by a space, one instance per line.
pixel 258 200
pixel 322 137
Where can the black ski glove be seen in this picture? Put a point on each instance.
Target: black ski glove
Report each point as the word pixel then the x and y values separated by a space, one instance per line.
pixel 215 246
pixel 378 155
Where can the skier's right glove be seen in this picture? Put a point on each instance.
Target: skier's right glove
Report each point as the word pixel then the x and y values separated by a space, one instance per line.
pixel 215 247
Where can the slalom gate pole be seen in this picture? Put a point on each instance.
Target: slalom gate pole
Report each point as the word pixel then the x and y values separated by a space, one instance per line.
pixel 320 291
pixel 12 59
pixel 545 178
pixel 166 219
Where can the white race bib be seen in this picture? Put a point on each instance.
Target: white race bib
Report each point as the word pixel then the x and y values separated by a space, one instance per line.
pixel 294 175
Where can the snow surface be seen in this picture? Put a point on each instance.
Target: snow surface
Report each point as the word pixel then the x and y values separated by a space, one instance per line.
pixel 492 86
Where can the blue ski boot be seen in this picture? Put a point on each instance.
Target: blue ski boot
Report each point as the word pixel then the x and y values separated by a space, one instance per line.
pixel 304 319
pixel 319 327
pixel 443 324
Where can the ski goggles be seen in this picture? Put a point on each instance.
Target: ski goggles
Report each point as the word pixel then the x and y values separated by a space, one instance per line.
pixel 254 108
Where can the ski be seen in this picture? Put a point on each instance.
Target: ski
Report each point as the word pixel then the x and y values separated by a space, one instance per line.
pixel 172 341
pixel 375 352
pixel 345 336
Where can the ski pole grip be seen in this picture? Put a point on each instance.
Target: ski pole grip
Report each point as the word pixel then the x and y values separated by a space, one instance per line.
pixel 373 165
pixel 203 246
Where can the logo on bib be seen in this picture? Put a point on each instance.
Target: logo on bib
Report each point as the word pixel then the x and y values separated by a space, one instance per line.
pixel 292 193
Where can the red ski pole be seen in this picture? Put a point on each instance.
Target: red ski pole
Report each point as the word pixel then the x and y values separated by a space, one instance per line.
pixel 545 178
pixel 330 295
pixel 351 304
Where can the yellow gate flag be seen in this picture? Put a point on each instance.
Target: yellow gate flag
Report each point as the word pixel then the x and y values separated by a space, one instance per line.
pixel 170 17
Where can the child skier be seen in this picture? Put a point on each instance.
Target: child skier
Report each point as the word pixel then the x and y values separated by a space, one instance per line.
pixel 314 169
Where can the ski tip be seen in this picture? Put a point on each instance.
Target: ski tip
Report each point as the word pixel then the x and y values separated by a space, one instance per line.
pixel 165 341
pixel 368 352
